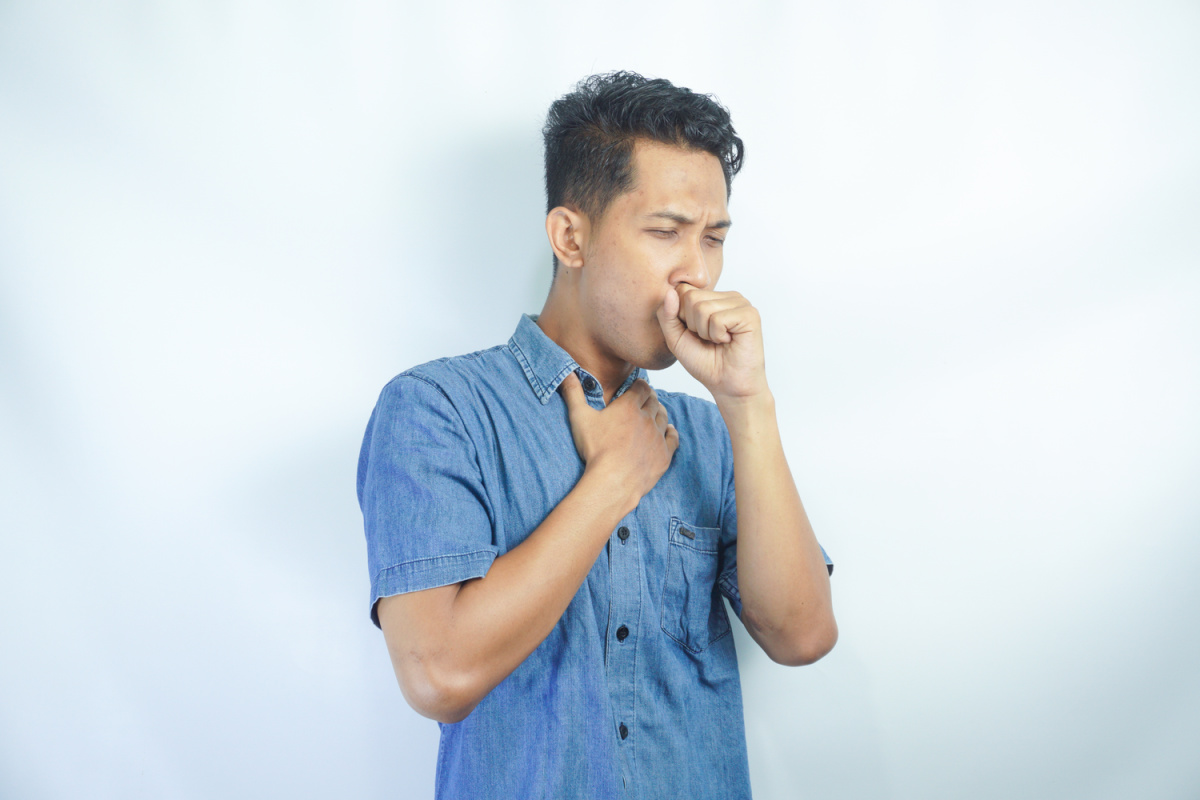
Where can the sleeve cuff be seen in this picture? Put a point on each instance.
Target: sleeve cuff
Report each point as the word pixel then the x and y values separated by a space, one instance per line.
pixel 427 573
pixel 828 562
pixel 728 585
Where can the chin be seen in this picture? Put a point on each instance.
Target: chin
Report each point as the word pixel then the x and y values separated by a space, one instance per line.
pixel 658 360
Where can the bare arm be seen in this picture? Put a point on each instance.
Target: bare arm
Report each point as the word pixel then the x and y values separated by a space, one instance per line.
pixel 782 579
pixel 452 645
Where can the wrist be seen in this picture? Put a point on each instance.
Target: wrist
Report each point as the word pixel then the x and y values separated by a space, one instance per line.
pixel 610 489
pixel 747 412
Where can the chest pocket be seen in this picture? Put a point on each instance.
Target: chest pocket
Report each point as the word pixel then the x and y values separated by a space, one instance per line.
pixel 692 611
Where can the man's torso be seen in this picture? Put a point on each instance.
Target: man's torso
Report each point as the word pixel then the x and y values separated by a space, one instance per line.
pixel 644 648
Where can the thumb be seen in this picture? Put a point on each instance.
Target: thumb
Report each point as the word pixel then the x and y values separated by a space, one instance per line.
pixel 668 318
pixel 680 341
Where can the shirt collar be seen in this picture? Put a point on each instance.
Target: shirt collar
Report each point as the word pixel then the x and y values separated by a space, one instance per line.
pixel 546 365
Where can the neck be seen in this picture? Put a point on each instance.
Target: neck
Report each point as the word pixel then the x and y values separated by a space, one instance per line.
pixel 562 321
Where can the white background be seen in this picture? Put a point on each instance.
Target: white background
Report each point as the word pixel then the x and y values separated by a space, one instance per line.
pixel 972 232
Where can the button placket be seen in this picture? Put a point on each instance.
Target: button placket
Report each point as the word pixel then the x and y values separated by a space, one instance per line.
pixel 625 569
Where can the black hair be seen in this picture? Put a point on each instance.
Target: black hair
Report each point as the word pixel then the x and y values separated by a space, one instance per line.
pixel 590 133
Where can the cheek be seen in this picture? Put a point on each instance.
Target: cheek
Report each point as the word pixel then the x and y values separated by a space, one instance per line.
pixel 715 265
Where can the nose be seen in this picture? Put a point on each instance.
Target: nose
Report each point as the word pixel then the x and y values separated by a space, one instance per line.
pixel 695 270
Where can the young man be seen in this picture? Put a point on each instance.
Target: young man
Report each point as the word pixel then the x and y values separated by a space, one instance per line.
pixel 549 538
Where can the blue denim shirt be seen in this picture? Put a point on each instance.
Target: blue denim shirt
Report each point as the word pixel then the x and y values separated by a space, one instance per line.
pixel 635 693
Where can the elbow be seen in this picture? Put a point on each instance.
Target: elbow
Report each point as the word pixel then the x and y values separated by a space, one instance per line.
pixel 439 694
pixel 809 645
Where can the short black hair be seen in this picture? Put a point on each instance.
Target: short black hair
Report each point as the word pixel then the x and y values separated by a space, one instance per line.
pixel 590 133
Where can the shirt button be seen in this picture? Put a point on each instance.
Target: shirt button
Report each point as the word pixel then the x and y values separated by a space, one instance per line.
pixel 589 384
pixel 622 632
pixel 624 731
pixel 623 532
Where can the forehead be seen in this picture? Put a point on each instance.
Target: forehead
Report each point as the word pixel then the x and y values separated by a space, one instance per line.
pixel 688 180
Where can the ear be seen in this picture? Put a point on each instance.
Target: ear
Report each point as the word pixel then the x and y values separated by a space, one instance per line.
pixel 567 231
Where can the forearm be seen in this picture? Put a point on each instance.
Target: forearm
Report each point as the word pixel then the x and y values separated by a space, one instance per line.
pixel 782 577
pixel 498 620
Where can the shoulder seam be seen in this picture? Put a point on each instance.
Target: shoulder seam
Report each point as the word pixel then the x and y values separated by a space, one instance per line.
pixel 462 422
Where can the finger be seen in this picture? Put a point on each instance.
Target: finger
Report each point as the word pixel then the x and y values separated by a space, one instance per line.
pixel 651 400
pixel 700 312
pixel 689 298
pixel 638 392
pixel 685 289
pixel 672 437
pixel 724 310
pixel 660 418
pixel 723 324
pixel 719 326
pixel 572 392
pixel 698 319
pixel 693 314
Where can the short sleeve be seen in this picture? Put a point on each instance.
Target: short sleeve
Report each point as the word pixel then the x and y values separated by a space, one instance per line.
pixel 727 579
pixel 426 515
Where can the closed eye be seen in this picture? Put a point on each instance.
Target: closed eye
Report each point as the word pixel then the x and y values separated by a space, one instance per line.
pixel 662 234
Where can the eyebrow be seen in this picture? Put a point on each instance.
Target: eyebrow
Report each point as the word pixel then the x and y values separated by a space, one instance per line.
pixel 686 220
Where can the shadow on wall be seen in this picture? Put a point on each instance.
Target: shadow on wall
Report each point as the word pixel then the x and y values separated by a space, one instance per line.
pixel 481 222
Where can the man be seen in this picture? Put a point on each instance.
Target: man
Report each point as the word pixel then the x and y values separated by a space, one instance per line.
pixel 549 538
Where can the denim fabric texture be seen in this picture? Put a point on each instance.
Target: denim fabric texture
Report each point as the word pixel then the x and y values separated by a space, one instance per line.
pixel 635 693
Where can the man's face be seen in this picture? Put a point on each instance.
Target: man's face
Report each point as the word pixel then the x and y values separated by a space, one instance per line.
pixel 667 230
